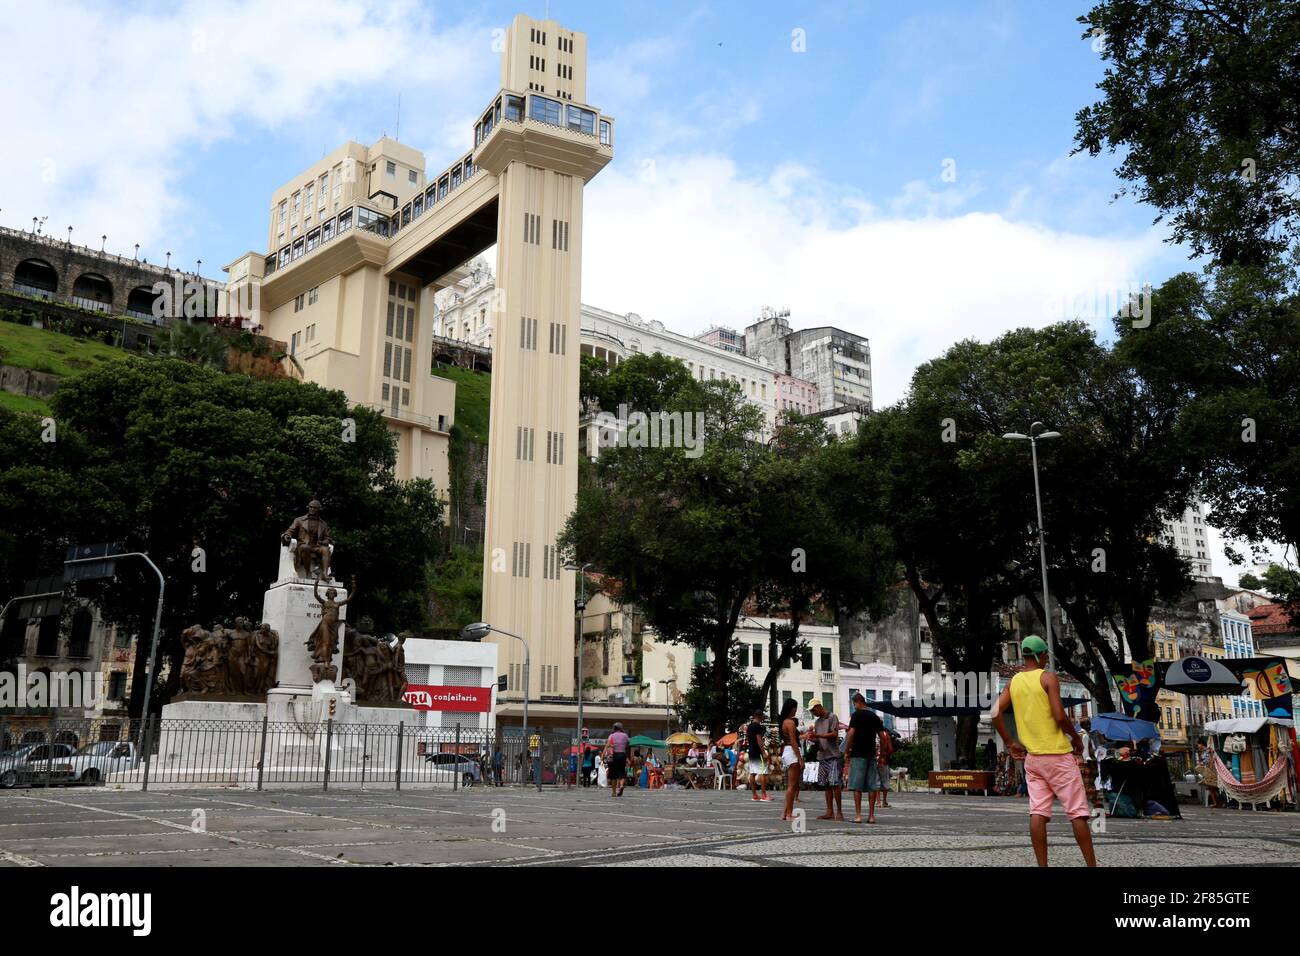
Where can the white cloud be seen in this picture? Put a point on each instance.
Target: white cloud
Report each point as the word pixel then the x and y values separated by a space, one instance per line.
pixel 699 243
pixel 116 111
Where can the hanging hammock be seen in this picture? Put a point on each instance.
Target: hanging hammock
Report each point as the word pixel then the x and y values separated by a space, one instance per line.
pixel 1262 790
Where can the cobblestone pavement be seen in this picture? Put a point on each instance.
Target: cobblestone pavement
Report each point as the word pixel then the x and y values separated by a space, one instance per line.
pixel 511 826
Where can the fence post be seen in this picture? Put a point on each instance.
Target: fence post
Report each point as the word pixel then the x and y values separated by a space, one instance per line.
pixel 365 753
pixel 455 777
pixel 401 726
pixel 148 747
pixel 261 757
pixel 329 739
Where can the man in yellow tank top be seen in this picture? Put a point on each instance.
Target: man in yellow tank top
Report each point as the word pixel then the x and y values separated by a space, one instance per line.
pixel 1049 746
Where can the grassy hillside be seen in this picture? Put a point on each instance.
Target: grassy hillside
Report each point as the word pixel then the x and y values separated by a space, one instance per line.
pixel 54 352
pixel 473 392
pixel 24 403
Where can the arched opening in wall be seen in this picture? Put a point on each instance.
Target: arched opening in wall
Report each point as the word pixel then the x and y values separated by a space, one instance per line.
pixel 140 303
pixel 36 277
pixel 92 291
pixel 443 358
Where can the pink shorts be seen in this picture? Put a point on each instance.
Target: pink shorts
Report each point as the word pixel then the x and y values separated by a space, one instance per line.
pixel 1055 775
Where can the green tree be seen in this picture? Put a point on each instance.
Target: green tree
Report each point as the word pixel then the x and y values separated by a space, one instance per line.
pixel 679 532
pixel 1224 349
pixel 825 552
pixel 1279 581
pixel 1202 97
pixel 168 456
pixel 959 499
pixel 195 342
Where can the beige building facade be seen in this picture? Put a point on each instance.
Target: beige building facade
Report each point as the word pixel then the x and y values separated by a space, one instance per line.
pixel 359 243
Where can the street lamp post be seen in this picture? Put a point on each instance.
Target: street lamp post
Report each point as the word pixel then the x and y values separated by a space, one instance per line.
pixel 1036 433
pixel 667 708
pixel 476 632
pixel 578 607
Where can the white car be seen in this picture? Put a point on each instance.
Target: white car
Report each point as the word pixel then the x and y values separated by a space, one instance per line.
pixel 94 762
pixel 35 763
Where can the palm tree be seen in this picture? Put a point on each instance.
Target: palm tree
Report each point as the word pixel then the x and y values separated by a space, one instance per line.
pixel 192 342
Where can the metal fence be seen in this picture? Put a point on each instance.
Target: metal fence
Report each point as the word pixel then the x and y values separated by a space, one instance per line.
pixel 155 753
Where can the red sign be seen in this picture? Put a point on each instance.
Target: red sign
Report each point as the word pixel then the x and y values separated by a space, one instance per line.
pixel 476 700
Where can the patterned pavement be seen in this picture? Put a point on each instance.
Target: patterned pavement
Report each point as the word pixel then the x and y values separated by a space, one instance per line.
pixel 513 826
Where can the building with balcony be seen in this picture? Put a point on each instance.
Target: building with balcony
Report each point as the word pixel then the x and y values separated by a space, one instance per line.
pixel 351 290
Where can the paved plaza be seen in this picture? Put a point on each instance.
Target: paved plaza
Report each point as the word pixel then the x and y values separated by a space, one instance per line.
pixel 513 826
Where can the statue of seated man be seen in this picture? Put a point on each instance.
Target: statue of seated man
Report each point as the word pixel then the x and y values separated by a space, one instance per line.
pixel 310 536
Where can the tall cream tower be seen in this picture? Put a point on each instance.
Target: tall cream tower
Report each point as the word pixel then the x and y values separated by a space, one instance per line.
pixel 542 161
pixel 358 244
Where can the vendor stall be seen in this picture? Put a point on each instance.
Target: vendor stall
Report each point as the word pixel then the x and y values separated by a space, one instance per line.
pixel 1252 760
pixel 1132 774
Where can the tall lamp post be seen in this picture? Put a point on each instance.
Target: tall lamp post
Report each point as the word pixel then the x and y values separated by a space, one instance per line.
pixel 1037 434
pixel 667 708
pixel 480 630
pixel 578 607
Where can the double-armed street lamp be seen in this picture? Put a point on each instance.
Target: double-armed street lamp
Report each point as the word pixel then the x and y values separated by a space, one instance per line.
pixel 480 630
pixel 1037 433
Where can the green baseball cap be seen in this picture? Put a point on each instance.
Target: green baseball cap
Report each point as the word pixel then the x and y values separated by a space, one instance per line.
pixel 1033 644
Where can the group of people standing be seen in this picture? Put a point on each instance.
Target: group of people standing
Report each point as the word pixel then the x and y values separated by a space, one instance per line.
pixel 859 760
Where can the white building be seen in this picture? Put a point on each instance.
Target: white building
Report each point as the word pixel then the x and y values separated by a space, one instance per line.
pixel 465 311
pixel 876 682
pixel 1189 536
pixel 452 682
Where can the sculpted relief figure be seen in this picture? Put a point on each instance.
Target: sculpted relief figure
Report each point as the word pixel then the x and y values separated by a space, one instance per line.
pixel 220 661
pixel 377 666
pixel 309 538
pixel 323 642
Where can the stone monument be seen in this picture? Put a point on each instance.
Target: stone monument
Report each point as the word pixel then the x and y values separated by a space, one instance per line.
pixel 311 624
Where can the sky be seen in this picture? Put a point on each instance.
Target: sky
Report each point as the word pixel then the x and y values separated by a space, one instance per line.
pixel 899 170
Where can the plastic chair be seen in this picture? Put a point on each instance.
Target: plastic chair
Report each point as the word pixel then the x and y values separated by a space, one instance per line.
pixel 726 778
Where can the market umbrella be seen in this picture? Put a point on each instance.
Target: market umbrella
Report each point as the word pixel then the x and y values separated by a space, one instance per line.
pixel 726 740
pixel 641 740
pixel 683 739
pixel 1123 727
pixel 1200 676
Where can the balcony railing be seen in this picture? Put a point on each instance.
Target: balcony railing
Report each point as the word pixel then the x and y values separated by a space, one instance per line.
pixel 93 304
pixel 24 289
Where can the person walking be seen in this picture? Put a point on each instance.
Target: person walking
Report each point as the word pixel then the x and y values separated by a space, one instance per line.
pixel 617 747
pixel 791 759
pixel 830 763
pixel 1050 746
pixel 886 752
pixel 588 763
pixel 756 752
pixel 866 737
pixel 498 766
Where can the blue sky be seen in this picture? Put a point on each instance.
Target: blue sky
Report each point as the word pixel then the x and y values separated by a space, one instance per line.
pixel 746 173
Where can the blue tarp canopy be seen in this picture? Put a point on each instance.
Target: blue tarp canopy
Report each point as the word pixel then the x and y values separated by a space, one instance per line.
pixel 1122 727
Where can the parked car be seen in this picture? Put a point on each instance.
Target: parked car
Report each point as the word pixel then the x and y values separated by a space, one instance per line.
pixel 450 763
pixel 94 762
pixel 35 763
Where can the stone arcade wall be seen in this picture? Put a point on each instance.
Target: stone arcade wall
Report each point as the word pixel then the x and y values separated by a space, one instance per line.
pixel 71 261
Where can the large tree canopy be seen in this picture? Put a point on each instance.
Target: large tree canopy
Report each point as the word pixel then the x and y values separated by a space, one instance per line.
pixel 1202 98
pixel 165 455
pixel 958 498
pixel 1224 348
